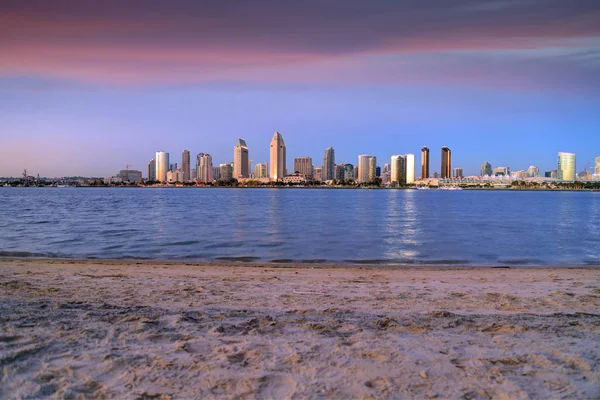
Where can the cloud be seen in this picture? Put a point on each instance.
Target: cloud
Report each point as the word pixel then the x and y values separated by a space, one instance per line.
pixel 157 42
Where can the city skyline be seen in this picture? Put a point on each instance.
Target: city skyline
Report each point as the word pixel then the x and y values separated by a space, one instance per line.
pixel 86 89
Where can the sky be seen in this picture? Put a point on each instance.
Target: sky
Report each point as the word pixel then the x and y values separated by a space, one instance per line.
pixel 87 87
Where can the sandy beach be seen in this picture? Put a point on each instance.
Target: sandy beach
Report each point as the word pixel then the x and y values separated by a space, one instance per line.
pixel 149 330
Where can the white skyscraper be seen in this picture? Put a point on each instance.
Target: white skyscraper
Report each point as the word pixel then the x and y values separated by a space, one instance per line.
pixel 205 169
pixel 162 165
pixel 366 171
pixel 277 157
pixel 397 169
pixel 409 160
pixel 566 166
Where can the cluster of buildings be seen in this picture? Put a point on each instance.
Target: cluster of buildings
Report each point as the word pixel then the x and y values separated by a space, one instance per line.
pixel 399 171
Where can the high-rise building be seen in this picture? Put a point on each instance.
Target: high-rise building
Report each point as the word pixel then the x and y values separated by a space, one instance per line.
pixel 566 166
pixel 409 160
pixel 398 169
pixel 486 169
pixel 378 171
pixel 328 164
pixel 130 175
pixel 318 174
pixel 364 168
pixel 457 173
pixel 533 171
pixel 597 166
pixel 501 171
pixel 522 174
pixel 386 168
pixel 175 176
pixel 205 169
pixel 240 160
pixel 173 167
pixel 424 162
pixel 185 165
pixel 226 172
pixel 152 170
pixel 446 163
pixel 162 165
pixel 372 168
pixel 193 174
pixel 261 171
pixel 277 157
pixel 216 173
pixel 339 172
pixel 349 172
pixel 304 166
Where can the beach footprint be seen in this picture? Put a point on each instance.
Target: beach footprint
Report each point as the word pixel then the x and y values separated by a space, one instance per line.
pixel 276 387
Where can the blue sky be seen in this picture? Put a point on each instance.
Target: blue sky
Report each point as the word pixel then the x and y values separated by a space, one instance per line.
pixel 85 91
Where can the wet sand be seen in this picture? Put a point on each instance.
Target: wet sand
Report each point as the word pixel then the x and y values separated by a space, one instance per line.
pixel 149 330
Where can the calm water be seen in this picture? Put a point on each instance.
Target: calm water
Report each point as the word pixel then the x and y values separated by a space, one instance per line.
pixel 311 225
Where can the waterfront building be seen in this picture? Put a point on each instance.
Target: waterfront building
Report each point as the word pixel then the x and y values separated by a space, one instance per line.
pixel 533 171
pixel 566 166
pixel 457 173
pixel 597 166
pixel 385 177
pixel 172 166
pixel 216 173
pixel 152 169
pixel 193 174
pixel 486 169
pixel 436 175
pixel 398 169
pixel 446 163
pixel 261 171
pixel 522 174
pixel 366 168
pixel 241 160
pixel 409 164
pixel 205 169
pixel 226 171
pixel 175 176
pixel 162 166
pixel 386 168
pixel 130 175
pixel 304 166
pixel 277 157
pixel 329 164
pixel 296 177
pixel 318 174
pixel 185 165
pixel 501 171
pixel 349 172
pixel 356 173
pixel 339 172
pixel 424 162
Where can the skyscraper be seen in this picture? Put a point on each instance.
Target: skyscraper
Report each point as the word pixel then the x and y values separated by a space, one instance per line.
pixel 458 173
pixel 486 169
pixel 410 167
pixel 185 165
pixel 328 164
pixel 240 160
pixel 566 166
pixel 261 171
pixel 304 166
pixel 152 169
pixel 364 163
pixel 339 172
pixel 533 171
pixel 226 172
pixel 372 168
pixel 318 174
pixel 424 162
pixel 162 165
pixel 597 167
pixel 349 172
pixel 398 170
pixel 277 157
pixel 205 169
pixel 446 163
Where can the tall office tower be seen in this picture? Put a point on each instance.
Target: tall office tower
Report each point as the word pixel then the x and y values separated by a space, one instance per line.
pixel 386 168
pixel 566 166
pixel 349 172
pixel 328 164
pixel 240 160
pixel 364 161
pixel 458 173
pixel 486 169
pixel 216 173
pixel 424 162
pixel 372 168
pixel 339 172
pixel 173 167
pixel 152 169
pixel 162 166
pixel 277 157
pixel 318 174
pixel 501 171
pixel 261 171
pixel 193 174
pixel 597 167
pixel 378 171
pixel 205 169
pixel 446 163
pixel 398 169
pixel 533 171
pixel 185 165
pixel 198 160
pixel 410 167
pixel 226 172
pixel 304 166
